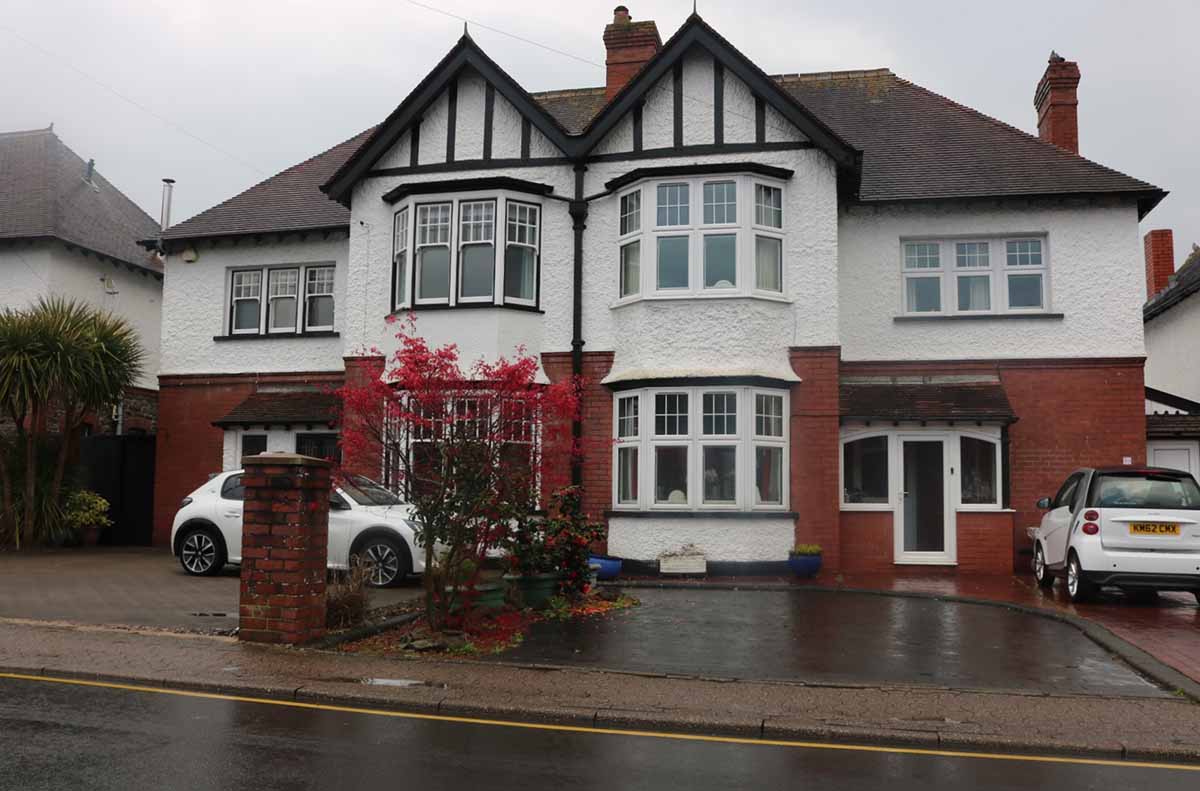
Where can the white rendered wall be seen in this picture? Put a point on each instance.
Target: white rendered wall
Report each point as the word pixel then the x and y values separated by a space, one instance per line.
pixel 1096 279
pixel 195 302
pixel 718 539
pixel 1172 346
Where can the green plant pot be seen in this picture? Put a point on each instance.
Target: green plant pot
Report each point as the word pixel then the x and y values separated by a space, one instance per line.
pixel 536 591
pixel 488 596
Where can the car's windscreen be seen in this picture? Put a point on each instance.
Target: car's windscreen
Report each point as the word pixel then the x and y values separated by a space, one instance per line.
pixel 1141 490
pixel 365 491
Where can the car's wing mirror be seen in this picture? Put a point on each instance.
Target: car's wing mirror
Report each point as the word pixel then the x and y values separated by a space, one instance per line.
pixel 1044 503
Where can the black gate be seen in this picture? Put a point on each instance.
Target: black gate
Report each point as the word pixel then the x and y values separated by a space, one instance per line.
pixel 121 470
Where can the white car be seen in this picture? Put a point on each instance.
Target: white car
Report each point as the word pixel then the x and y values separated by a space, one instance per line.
pixel 1134 529
pixel 365 520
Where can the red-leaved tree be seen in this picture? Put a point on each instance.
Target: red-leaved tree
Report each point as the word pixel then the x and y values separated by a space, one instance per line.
pixel 472 449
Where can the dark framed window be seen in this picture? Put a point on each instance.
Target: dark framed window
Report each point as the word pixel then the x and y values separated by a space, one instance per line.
pixel 865 470
pixel 254 444
pixel 319 446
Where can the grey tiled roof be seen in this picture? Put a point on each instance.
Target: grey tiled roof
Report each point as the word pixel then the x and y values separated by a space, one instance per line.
pixel 288 408
pixel 974 401
pixel 43 194
pixel 1166 426
pixel 1185 283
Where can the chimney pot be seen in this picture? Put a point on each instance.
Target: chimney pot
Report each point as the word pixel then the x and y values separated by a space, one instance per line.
pixel 630 46
pixel 1057 103
pixel 1159 248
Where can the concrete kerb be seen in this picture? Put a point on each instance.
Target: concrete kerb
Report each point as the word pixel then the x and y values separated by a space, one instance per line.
pixel 1141 661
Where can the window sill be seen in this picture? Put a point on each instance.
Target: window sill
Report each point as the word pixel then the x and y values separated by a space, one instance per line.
pixel 679 514
pixel 620 303
pixel 278 336
pixel 867 507
pixel 977 316
pixel 984 509
pixel 467 306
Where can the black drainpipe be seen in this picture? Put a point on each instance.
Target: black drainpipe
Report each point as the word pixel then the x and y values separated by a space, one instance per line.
pixel 579 213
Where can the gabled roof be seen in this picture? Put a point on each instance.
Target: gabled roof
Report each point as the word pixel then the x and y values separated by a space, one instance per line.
pixel 44 194
pixel 465 54
pixel 288 201
pixel 1185 283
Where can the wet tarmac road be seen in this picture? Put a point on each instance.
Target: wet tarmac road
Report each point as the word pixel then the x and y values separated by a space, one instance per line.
pixel 67 736
pixel 837 637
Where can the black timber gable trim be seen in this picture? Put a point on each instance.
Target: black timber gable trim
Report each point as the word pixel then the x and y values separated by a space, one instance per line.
pixel 1173 401
pixel 467 185
pixel 668 171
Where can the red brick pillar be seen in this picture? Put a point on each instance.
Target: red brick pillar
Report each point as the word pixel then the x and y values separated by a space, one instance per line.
pixel 815 451
pixel 360 372
pixel 285 530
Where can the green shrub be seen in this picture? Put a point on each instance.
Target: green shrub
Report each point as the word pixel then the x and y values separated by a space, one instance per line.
pixel 85 509
pixel 805 550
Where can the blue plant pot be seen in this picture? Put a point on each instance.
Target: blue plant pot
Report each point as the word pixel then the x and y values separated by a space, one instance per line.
pixel 609 568
pixel 804 565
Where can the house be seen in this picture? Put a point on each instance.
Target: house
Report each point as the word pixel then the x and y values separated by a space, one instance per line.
pixel 66 231
pixel 834 308
pixel 1172 322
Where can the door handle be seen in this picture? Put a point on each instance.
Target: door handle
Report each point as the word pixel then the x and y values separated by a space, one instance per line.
pixel 233 513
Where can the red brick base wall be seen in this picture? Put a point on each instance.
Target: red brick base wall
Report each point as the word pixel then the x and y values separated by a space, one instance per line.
pixel 985 542
pixel 814 450
pixel 189 446
pixel 867 541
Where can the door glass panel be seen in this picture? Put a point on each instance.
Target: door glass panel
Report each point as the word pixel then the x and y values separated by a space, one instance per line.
pixel 924 497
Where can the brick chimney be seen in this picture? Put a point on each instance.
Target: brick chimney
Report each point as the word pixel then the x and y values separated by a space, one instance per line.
pixel 1057 104
pixel 630 45
pixel 1160 260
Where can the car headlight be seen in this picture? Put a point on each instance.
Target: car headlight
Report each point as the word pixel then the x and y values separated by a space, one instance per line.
pixel 185 502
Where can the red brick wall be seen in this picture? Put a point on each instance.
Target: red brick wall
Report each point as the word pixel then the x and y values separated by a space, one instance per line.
pixel 814 450
pixel 189 446
pixel 360 372
pixel 985 542
pixel 1057 103
pixel 1159 249
pixel 867 541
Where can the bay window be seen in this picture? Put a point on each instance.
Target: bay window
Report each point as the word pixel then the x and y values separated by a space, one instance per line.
pixel 979 461
pixel 697 241
pixel 974 276
pixel 452 253
pixel 709 448
pixel 281 300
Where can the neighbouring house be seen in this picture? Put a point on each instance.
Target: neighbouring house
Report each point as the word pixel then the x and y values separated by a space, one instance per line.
pixel 1172 322
pixel 65 230
pixel 835 308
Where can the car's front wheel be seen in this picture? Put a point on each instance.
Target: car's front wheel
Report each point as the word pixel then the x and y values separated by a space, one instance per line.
pixel 388 560
pixel 1079 588
pixel 1040 572
pixel 201 552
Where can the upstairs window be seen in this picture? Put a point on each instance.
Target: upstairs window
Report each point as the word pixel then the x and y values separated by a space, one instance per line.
pixel 521 253
pixel 979 276
pixel 318 295
pixel 247 294
pixel 297 299
pixel 1025 274
pixel 400 259
pixel 768 206
pixel 433 253
pixel 673 204
pixel 476 251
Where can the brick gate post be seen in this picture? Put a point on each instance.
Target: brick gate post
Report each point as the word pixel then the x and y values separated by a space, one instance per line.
pixel 285 531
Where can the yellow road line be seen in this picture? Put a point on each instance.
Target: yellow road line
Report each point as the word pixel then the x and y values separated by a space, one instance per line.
pixel 537 726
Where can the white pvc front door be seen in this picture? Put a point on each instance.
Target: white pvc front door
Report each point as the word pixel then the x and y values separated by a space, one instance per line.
pixel 924 522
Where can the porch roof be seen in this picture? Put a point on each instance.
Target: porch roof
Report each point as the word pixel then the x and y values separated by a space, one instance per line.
pixel 973 401
pixel 289 408
pixel 1169 426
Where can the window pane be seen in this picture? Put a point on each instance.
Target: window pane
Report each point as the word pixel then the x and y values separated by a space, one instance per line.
pixel 924 294
pixel 720 202
pixel 768 476
pixel 720 413
pixel 478 274
pixel 673 262
pixel 978 471
pixel 971 254
pixel 768 206
pixel 975 292
pixel 720 261
pixel 433 224
pixel 631 212
pixel 523 224
pixel 401 278
pixel 320 311
pixel 434 272
pixel 245 314
pixel 246 284
pixel 768 263
pixel 401 239
pixel 720 474
pixel 319 446
pixel 865 470
pixel 627 475
pixel 673 204
pixel 670 414
pixel 1024 291
pixel 477 222
pixel 520 272
pixel 768 415
pixel 283 283
pixel 627 416
pixel 670 475
pixel 922 255
pixel 1024 252
pixel 320 280
pixel 631 269
pixel 254 444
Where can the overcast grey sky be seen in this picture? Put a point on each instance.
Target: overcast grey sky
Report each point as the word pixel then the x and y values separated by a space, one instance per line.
pixel 273 82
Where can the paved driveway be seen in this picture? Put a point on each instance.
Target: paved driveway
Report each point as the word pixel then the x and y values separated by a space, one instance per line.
pixel 835 637
pixel 128 586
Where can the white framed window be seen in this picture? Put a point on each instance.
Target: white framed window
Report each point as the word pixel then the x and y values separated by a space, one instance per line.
pixel 318 298
pixel 708 448
pixel 400 258
pixel 696 241
pixel 283 297
pixel 979 463
pixel 476 251
pixel 246 302
pixel 521 252
pixel 974 276
pixel 433 253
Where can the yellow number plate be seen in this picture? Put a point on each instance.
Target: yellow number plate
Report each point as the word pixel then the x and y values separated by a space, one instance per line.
pixel 1153 529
